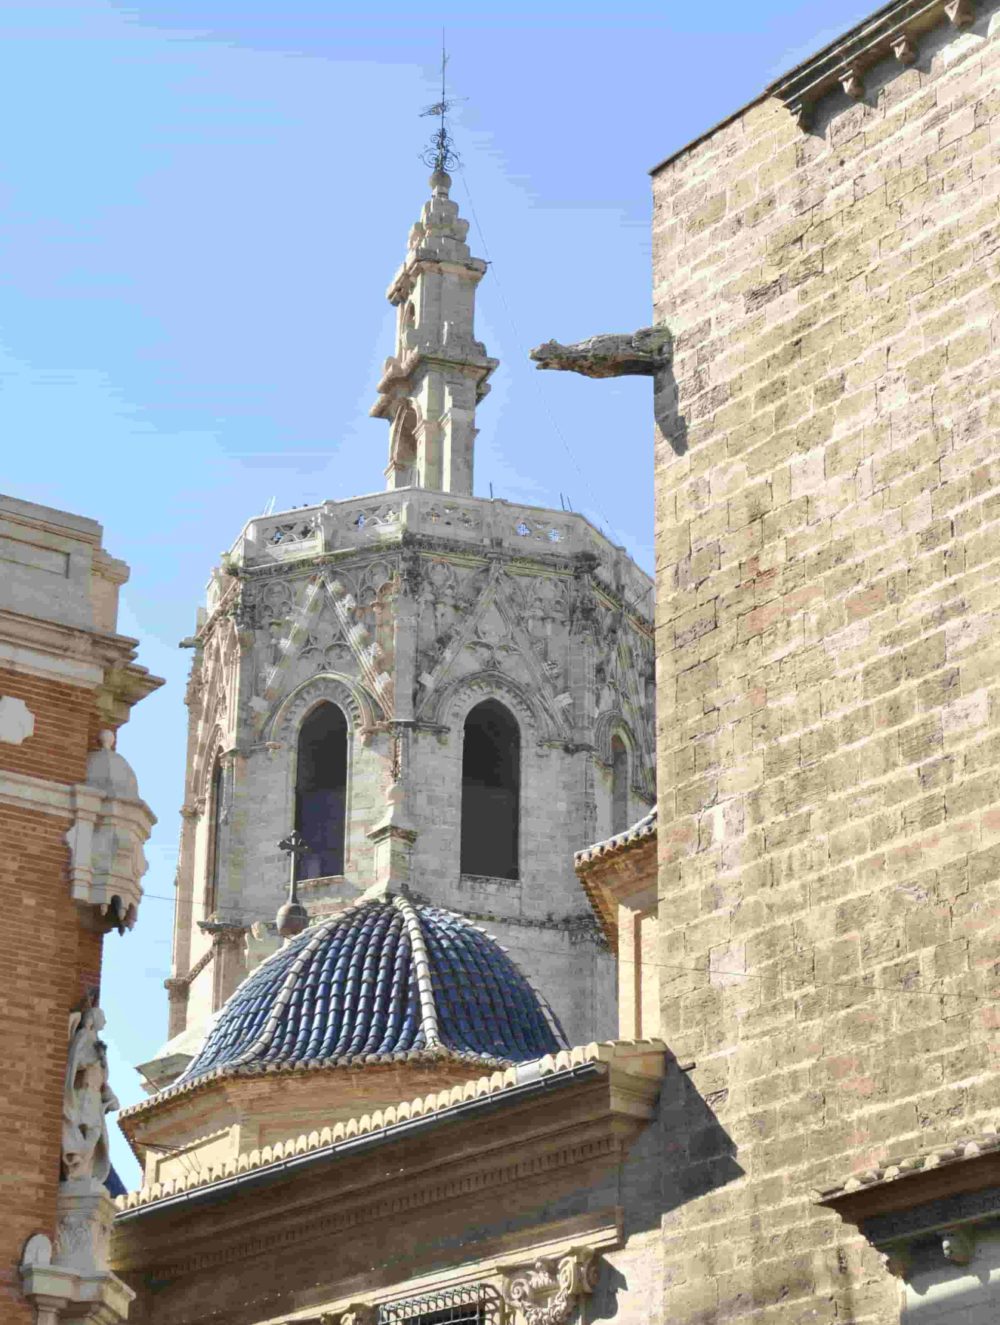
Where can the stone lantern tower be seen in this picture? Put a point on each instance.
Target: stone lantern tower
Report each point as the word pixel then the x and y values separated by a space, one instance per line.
pixel 440 693
pixel 432 384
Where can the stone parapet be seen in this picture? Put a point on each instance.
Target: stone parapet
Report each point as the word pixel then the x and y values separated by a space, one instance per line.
pixel 386 519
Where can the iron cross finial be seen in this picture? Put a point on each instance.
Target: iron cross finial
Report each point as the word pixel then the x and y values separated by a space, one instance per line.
pixel 292 917
pixel 293 844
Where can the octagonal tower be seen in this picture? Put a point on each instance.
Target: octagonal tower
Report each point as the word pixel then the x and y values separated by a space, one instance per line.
pixel 443 693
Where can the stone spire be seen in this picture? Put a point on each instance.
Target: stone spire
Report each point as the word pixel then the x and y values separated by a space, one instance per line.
pixel 430 387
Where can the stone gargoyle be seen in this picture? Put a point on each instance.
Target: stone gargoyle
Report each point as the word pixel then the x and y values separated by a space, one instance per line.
pixel 639 353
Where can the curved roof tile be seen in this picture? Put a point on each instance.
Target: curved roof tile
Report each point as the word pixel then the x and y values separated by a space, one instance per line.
pixel 638 832
pixel 384 980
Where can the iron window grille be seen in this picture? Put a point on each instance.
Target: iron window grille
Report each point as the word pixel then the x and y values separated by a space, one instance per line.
pixel 471 1304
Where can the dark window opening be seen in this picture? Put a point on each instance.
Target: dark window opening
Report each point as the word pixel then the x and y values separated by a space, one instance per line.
pixel 321 792
pixel 215 841
pixel 491 778
pixel 619 785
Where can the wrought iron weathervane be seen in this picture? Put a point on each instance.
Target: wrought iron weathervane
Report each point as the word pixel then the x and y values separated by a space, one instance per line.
pixel 440 154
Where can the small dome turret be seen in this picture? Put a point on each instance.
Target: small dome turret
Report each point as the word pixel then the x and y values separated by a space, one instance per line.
pixel 110 772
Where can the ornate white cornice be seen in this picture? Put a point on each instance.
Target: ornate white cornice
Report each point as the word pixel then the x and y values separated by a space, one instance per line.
pixel 75 655
pixel 105 839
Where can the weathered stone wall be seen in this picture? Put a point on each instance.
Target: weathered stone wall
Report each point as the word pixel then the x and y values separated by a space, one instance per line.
pixel 828 495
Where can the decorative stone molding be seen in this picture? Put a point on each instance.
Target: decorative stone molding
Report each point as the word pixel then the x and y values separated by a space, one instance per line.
pixel 66 1282
pixel 549 1291
pixel 105 839
pixel 355 1313
pixel 893 32
pixel 110 826
pixel 961 12
pixel 464 692
pixel 917 1209
pixel 178 983
pixel 17 722
pixel 609 724
pixel 360 707
pixel 635 1068
pixel 83 1228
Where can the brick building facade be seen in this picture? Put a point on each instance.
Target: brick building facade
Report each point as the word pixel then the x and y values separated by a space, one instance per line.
pixel 71 834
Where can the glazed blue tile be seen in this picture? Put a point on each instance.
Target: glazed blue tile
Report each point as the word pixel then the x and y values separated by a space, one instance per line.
pixel 356 995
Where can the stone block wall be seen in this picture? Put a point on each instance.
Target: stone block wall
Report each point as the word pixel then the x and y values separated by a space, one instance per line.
pixel 828 526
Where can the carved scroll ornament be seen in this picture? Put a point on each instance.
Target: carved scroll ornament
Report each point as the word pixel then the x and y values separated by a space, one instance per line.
pixel 355 1313
pixel 549 1291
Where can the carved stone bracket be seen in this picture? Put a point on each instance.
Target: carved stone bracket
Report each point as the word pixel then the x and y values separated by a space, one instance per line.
pixel 549 1291
pixel 72 1280
pixel 958 1245
pixel 894 32
pixel 898 1262
pixel 355 1313
pixel 110 826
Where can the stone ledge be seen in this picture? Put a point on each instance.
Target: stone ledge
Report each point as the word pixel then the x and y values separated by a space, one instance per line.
pixel 636 1066
pixel 891 33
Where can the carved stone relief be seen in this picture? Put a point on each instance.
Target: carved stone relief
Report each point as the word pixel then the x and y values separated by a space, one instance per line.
pixel 355 1313
pixel 549 1291
pixel 110 826
pixel 359 706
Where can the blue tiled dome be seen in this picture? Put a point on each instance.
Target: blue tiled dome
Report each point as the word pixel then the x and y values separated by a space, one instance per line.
pixel 385 981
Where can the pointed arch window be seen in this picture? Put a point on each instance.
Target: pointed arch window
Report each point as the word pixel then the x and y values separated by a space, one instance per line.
pixel 491 789
pixel 216 820
pixel 321 792
pixel 619 785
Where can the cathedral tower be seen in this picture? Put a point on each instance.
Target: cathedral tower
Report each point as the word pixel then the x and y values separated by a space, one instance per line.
pixel 442 693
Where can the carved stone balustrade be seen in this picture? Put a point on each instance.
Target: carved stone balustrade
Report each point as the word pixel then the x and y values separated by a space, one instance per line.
pixel 384 518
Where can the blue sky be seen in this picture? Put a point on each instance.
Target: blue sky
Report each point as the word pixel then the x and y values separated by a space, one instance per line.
pixel 201 205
